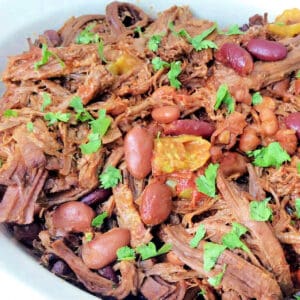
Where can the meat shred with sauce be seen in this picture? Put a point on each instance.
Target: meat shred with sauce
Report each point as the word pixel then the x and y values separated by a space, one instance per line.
pixel 122 135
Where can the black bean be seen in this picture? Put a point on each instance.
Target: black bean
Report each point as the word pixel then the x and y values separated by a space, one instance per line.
pixel 108 273
pixel 98 195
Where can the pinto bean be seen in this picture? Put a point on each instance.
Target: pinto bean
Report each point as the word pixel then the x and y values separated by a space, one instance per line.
pixel 73 216
pixel 156 203
pixel 102 250
pixel 267 102
pixel 292 121
pixel 288 140
pixel 166 114
pixel 269 122
pixel 235 57
pixel 138 146
pixel 249 140
pixel 193 127
pixel 267 50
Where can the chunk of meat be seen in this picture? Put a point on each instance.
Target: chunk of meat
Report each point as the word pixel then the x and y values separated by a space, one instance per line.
pixel 255 188
pixel 128 216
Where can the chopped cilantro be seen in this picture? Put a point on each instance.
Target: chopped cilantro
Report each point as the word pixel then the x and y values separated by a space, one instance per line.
pixel 93 145
pixel 298 74
pixel 202 292
pixel 125 253
pixel 297 297
pixel 81 113
pixel 1 162
pixel 55 117
pixel 175 70
pixel 257 98
pixel 110 177
pixel 232 239
pixel 260 211
pixel 232 30
pixel 46 54
pixel 154 42
pixel 98 221
pixel 271 156
pixel 223 96
pixel 149 250
pixel 46 101
pixel 158 64
pixel 30 126
pixel 216 280
pixel 88 236
pixel 206 184
pixel 10 113
pixel 138 30
pixel 200 233
pixel 211 254
pixel 100 46
pixel 298 167
pixel 297 207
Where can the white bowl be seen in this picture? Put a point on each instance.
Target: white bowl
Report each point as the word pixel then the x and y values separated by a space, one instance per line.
pixel 21 277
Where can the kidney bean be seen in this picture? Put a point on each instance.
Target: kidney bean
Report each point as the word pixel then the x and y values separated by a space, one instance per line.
pixel 288 140
pixel 102 250
pixel 60 268
pixel 292 121
pixel 26 233
pixel 267 50
pixel 73 216
pixel 235 57
pixel 98 195
pixel 53 37
pixel 165 114
pixel 138 146
pixel 156 203
pixel 193 127
pixel 108 273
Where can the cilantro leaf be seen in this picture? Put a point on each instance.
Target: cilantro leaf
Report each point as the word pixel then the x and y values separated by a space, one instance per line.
pixel 223 96
pixel 1 162
pixel 110 177
pixel 297 207
pixel 271 156
pixel 10 113
pixel 206 184
pixel 81 113
pixel 138 30
pixel 202 292
pixel 154 42
pixel 216 280
pixel 158 64
pixel 98 221
pixel 298 74
pixel 86 36
pixel 46 101
pixel 175 70
pixel 298 167
pixel 232 239
pixel 205 45
pixel 260 211
pixel 198 41
pixel 55 117
pixel 232 30
pixel 211 254
pixel 30 126
pixel 125 253
pixel 256 98
pixel 296 297
pixel 100 48
pixel 88 236
pixel 149 250
pixel 101 124
pixel 200 233
pixel 46 54
pixel 93 144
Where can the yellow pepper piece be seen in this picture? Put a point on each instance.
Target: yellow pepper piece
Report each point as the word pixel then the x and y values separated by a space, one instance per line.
pixel 184 152
pixel 287 24
pixel 123 64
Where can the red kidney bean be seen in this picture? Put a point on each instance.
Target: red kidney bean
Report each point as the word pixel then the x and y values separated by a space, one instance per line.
pixel 267 50
pixel 292 121
pixel 102 250
pixel 138 146
pixel 60 268
pixel 108 273
pixel 166 114
pixel 156 203
pixel 235 57
pixel 193 127
pixel 73 216
pixel 95 197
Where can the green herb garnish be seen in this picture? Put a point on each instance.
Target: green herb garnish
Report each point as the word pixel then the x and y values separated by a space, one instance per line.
pixel 81 113
pixel 211 254
pixel 298 74
pixel 110 177
pixel 125 253
pixel 232 30
pixel 216 280
pixel 138 30
pixel 223 96
pixel 297 207
pixel 57 116
pixel 154 42
pixel 98 221
pixel 88 236
pixel 200 233
pixel 10 113
pixel 257 98
pixel 298 167
pixel 46 54
pixel 271 156
pixel 46 101
pixel 158 64
pixel 93 145
pixel 175 70
pixel 206 183
pixel 260 211
pixel 149 250
pixel 30 126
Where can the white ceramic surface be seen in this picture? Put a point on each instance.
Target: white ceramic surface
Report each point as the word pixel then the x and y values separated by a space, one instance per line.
pixel 20 275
